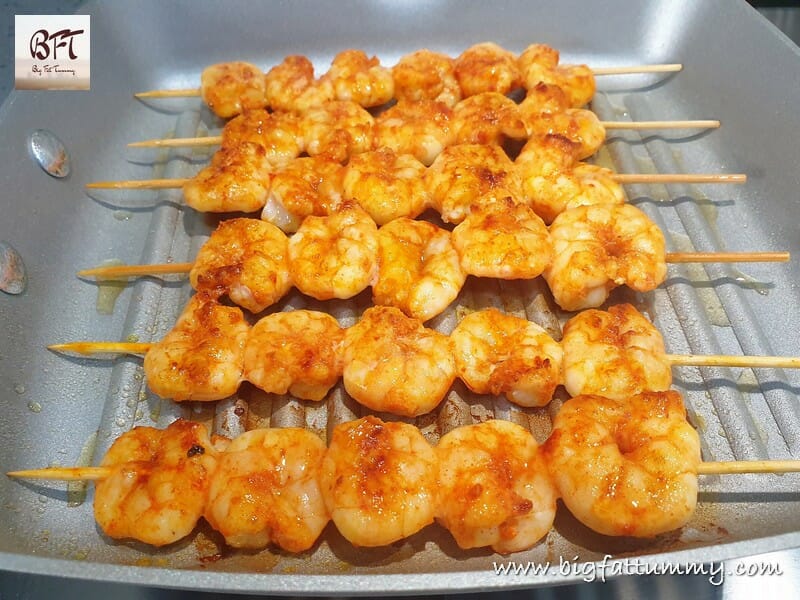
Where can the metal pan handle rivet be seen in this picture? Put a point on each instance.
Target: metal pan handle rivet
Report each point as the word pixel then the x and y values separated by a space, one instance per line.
pixel 49 152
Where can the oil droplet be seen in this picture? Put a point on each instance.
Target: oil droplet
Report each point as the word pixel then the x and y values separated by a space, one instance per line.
pixel 34 407
pixel 751 283
pixel 19 388
pixel 108 290
pixel 122 215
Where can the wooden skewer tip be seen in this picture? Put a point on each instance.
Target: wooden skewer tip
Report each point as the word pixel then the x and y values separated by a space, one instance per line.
pixel 136 184
pixel 634 69
pixel 124 271
pixel 63 473
pixel 722 360
pixel 168 93
pixel 748 466
pixel 636 125
pixel 727 257
pixel 211 140
pixel 88 348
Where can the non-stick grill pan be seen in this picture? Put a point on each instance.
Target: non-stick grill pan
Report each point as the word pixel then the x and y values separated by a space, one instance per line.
pixel 57 410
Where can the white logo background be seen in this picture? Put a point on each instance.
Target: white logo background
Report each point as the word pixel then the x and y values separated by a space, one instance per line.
pixel 57 70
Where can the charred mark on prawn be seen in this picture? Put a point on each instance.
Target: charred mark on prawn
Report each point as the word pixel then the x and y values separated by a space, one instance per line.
pixel 195 450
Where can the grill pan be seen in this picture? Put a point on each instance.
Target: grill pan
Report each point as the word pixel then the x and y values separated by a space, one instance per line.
pixel 738 69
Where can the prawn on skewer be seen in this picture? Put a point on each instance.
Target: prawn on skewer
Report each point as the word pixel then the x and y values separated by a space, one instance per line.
pixel 496 353
pixel 202 357
pixel 237 180
pixel 384 355
pixel 379 481
pixel 246 259
pixel 494 487
pixel 385 184
pixel 156 483
pixel 626 467
pixel 230 88
pixel 422 129
pixel 360 79
pixel 488 118
pixel 487 67
pixel 418 268
pixel 291 86
pixel 426 75
pixel 539 64
pixel 265 490
pixel 308 186
pixel 503 240
pixel 278 133
pixel 598 248
pixel 297 351
pixel 467 175
pixel 334 256
pixel 615 353
pixel 337 129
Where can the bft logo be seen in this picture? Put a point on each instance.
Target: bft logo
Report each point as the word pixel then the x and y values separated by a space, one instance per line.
pixel 51 52
pixel 43 43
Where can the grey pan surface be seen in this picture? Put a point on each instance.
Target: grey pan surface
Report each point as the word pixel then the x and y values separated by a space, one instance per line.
pixel 58 410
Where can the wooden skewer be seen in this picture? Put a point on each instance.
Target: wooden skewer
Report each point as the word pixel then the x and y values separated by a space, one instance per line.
pixel 748 466
pixel 185 93
pixel 64 473
pixel 630 70
pixel 140 184
pixel 713 360
pixel 87 348
pixel 160 184
pixel 134 270
pixel 115 271
pixel 704 468
pixel 727 257
pixel 634 69
pixel 706 124
pixel 721 360
pixel 679 178
pixel 214 140
pixel 211 140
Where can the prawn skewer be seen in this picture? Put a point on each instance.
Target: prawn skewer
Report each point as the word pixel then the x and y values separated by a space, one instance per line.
pixel 228 88
pixel 724 467
pixel 215 140
pixel 88 348
pixel 211 351
pixel 242 257
pixel 625 178
pixel 420 268
pixel 597 71
pixel 293 485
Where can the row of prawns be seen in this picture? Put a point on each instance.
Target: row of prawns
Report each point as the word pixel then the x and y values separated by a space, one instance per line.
pixel 381 163
pixel 392 363
pixel 420 268
pixel 622 467
pixel 231 88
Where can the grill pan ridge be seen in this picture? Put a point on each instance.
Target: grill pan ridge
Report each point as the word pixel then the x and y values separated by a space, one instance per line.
pixel 86 404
